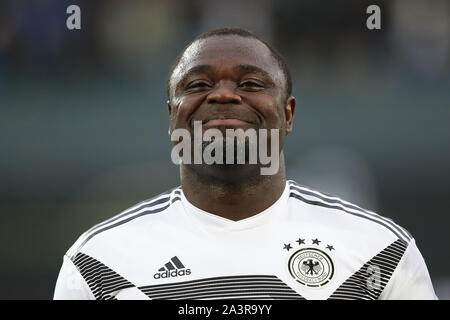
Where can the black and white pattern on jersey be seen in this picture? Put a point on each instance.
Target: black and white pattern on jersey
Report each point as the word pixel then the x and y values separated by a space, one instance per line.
pixel 150 206
pixel 316 198
pixel 369 281
pixel 103 282
pixel 233 287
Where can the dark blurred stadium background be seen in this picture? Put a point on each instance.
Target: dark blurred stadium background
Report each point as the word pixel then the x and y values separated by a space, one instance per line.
pixel 84 119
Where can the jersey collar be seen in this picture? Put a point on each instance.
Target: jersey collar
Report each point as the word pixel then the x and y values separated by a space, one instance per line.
pixel 220 223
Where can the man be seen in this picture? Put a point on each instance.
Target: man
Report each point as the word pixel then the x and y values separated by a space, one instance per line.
pixel 230 231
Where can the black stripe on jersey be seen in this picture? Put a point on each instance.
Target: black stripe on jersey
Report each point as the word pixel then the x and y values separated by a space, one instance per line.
pixel 321 204
pixel 323 196
pixel 146 203
pixel 147 207
pixel 330 203
pixel 231 287
pixel 370 280
pixel 175 199
pixel 143 213
pixel 177 195
pixel 241 294
pixel 102 281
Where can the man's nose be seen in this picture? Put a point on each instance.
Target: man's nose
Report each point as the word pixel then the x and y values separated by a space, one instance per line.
pixel 223 94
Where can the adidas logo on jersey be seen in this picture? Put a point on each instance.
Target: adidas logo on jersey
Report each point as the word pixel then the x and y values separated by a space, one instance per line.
pixel 173 268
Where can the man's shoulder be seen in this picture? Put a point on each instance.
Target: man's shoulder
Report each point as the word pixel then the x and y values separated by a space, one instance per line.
pixel 351 216
pixel 153 208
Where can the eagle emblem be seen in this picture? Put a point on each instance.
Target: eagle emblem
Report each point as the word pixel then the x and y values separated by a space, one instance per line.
pixel 311 267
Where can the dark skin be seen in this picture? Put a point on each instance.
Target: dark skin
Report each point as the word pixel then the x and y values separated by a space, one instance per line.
pixel 231 82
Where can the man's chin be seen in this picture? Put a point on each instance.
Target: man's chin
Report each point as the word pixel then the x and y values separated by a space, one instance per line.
pixel 226 173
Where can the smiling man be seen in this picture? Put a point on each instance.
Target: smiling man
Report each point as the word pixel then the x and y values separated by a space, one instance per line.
pixel 230 231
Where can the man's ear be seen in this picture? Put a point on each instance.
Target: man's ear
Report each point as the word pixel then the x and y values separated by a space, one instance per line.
pixel 169 107
pixel 289 111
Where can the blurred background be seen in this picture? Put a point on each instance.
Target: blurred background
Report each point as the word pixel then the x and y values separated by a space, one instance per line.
pixel 83 116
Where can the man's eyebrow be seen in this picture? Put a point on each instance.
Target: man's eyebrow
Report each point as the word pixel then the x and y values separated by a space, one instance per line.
pixel 195 70
pixel 252 69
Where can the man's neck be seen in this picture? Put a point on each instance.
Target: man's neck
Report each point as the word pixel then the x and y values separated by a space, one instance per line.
pixel 234 201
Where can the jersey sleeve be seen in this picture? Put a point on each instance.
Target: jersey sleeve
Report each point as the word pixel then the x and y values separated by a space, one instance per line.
pixel 410 280
pixel 70 284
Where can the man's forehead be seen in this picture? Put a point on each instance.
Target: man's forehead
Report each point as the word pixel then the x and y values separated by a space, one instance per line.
pixel 230 48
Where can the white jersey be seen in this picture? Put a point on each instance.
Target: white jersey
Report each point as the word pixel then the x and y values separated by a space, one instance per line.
pixel 307 245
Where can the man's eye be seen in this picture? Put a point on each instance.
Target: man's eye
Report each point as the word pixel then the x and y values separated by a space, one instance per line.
pixel 250 84
pixel 198 85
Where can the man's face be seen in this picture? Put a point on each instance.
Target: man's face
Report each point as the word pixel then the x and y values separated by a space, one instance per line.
pixel 230 82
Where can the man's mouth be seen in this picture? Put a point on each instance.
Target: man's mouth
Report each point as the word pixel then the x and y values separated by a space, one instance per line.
pixel 226 123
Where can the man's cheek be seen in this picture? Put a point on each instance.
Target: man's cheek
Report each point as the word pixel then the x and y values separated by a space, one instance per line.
pixel 181 120
pixel 185 106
